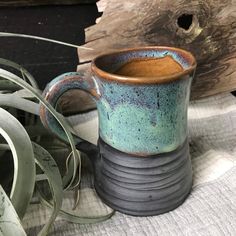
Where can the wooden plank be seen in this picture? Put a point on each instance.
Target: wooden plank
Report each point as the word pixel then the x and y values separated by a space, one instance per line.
pixel 10 3
pixel 207 28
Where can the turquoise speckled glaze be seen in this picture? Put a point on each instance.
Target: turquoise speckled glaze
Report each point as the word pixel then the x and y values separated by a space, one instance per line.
pixel 142 116
pixel 145 119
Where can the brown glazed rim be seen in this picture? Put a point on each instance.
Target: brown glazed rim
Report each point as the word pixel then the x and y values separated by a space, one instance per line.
pixel 145 80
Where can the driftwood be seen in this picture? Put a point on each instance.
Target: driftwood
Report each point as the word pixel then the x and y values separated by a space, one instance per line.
pixel 205 27
pixel 7 3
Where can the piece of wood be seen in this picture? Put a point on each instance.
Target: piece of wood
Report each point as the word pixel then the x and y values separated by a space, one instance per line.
pixel 207 28
pixel 10 3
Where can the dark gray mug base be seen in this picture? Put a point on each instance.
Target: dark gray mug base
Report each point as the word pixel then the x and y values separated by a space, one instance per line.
pixel 143 186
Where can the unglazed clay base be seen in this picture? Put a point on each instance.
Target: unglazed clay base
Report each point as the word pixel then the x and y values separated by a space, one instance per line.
pixel 143 186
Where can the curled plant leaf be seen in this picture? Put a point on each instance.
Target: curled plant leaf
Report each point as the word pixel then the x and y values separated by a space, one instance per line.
pixel 23 71
pixel 50 169
pixel 9 221
pixel 24 166
pixel 4 34
pixel 76 157
pixel 6 85
pixel 15 101
pixel 71 216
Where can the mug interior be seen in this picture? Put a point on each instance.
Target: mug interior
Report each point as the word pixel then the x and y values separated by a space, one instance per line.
pixel 106 65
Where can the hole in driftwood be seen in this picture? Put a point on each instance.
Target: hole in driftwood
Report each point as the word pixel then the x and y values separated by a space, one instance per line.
pixel 185 21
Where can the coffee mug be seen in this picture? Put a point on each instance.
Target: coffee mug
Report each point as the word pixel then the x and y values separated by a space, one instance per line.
pixel 141 163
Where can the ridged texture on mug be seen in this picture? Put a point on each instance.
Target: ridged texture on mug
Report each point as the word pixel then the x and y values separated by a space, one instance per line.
pixel 143 186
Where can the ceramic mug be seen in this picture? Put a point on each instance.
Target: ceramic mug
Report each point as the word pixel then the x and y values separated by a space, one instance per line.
pixel 142 165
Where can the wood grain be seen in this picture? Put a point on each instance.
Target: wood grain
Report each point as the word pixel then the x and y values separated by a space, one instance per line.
pixel 211 36
pixel 9 3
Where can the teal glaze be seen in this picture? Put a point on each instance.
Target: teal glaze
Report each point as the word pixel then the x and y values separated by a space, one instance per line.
pixel 144 119
pixel 54 90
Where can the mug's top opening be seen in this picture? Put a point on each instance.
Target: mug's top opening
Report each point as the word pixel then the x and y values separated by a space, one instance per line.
pixel 106 66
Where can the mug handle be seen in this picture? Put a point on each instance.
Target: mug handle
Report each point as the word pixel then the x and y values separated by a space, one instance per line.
pixel 54 90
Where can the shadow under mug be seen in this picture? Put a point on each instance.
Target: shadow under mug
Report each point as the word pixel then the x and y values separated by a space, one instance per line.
pixel 141 163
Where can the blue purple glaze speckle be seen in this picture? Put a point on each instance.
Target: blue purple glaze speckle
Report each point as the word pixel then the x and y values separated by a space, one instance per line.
pixel 144 119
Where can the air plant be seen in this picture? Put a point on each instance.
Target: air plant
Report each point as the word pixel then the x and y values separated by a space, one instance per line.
pixel 34 163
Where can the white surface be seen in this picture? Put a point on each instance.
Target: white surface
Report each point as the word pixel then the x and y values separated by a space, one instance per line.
pixel 210 209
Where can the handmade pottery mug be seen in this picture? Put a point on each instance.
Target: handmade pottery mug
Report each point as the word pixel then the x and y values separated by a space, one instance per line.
pixel 142 165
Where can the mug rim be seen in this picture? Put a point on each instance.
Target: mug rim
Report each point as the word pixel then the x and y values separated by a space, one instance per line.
pixel 146 79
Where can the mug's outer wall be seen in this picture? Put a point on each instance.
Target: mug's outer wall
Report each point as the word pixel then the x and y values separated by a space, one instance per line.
pixel 143 119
